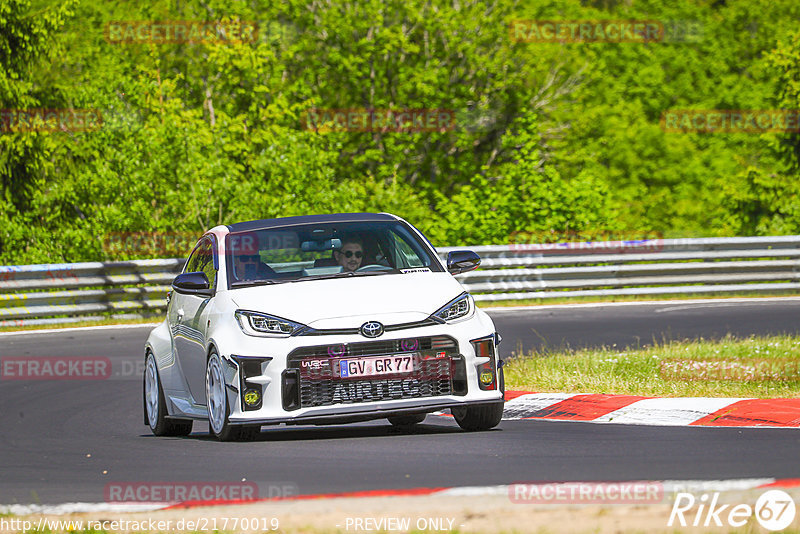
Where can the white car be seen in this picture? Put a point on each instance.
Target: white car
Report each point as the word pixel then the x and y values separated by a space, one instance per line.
pixel 320 319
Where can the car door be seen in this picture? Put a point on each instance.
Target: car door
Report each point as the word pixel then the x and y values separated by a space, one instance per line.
pixel 188 317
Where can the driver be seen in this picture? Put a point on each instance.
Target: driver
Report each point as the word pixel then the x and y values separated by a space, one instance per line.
pixel 247 262
pixel 248 266
pixel 350 255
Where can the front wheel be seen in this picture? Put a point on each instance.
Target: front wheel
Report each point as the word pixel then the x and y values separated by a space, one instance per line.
pixel 482 417
pixel 155 407
pixel 219 409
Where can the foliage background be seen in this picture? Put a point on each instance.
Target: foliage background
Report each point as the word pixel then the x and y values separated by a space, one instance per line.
pixel 551 139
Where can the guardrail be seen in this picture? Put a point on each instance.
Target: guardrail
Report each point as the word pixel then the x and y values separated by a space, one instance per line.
pixel 640 267
pixel 61 293
pixel 72 292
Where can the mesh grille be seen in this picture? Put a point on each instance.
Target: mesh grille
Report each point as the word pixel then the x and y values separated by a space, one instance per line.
pixel 374 348
pixel 320 384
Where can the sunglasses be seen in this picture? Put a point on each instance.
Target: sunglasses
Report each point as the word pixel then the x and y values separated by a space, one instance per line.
pixel 249 258
pixel 349 254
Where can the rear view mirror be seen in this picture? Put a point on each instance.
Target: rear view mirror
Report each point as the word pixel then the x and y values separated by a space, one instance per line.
pixel 319 246
pixel 461 261
pixel 192 284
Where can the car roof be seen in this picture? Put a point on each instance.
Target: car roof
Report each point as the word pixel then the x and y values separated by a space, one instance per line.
pixel 310 219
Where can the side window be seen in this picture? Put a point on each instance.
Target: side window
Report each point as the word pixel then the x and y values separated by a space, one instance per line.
pixel 192 262
pixel 408 257
pixel 205 261
pixel 202 259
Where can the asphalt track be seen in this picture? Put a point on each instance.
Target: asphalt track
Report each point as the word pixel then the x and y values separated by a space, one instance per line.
pixel 64 441
pixel 628 325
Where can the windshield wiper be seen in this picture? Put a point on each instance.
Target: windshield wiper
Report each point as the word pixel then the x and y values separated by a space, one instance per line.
pixel 257 283
pixel 372 273
pixel 322 276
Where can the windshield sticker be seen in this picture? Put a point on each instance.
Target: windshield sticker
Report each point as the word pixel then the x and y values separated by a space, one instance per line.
pixel 415 270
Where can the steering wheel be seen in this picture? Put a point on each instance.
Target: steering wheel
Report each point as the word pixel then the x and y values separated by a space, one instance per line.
pixel 373 267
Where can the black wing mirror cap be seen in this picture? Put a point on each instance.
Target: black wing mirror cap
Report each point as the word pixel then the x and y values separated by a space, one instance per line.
pixel 462 261
pixel 192 284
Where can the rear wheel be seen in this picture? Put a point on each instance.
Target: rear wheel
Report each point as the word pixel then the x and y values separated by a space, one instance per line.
pixel 219 409
pixel 482 417
pixel 406 422
pixel 156 408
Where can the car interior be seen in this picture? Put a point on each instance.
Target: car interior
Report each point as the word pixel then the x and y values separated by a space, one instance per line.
pixel 296 253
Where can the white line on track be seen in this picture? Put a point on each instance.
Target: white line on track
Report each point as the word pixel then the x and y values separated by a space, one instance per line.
pixel 670 487
pixel 499 309
pixel 713 302
pixel 666 411
pixel 526 405
pixel 80 329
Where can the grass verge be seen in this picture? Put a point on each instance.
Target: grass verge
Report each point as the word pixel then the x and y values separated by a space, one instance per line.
pixel 760 367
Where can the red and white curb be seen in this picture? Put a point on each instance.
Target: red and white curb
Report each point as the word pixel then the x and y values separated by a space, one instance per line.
pixel 670 487
pixel 636 410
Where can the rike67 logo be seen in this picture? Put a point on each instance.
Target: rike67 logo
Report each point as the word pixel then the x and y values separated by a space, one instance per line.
pixel 774 510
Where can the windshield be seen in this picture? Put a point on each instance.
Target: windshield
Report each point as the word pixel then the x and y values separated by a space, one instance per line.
pixel 328 250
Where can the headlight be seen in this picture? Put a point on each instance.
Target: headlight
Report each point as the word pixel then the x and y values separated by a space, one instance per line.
pixel 261 324
pixel 459 308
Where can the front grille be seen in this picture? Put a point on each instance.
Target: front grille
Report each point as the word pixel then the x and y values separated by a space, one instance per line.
pixel 437 364
pixel 308 331
pixel 375 348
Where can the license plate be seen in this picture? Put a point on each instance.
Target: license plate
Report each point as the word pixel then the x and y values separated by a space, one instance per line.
pixel 376 366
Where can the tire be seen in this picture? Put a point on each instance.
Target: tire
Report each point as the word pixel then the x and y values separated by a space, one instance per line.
pixel 219 410
pixel 155 407
pixel 249 432
pixel 406 422
pixel 484 416
pixel 476 418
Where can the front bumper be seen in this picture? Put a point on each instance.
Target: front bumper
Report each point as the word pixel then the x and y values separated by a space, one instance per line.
pixel 448 376
pixel 344 415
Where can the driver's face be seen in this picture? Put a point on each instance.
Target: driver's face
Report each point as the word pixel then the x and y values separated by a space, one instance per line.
pixel 245 263
pixel 350 256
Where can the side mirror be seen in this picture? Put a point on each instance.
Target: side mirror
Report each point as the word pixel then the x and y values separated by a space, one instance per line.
pixel 461 261
pixel 192 284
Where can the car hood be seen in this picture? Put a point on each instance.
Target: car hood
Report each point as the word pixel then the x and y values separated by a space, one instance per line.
pixel 349 302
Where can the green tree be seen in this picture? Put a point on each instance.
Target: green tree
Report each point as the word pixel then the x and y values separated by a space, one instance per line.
pixel 26 167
